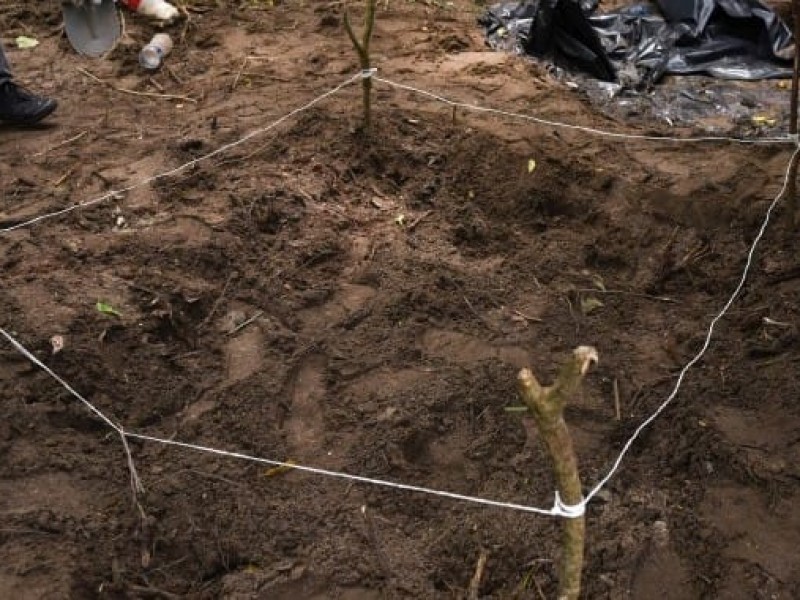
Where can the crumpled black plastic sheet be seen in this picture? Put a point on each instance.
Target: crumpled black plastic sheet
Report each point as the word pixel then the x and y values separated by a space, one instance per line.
pixel 636 45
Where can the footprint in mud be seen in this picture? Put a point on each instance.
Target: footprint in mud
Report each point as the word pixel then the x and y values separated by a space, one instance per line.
pixel 358 253
pixel 762 534
pixel 661 573
pixel 348 300
pixel 305 425
pixel 181 232
pixel 244 355
pixel 35 510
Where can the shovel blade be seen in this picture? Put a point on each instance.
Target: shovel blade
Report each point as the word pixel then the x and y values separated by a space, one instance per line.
pixel 93 28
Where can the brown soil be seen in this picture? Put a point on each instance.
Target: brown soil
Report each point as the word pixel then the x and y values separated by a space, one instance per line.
pixel 379 348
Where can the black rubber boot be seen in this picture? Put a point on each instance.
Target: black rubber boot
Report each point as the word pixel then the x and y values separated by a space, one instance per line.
pixel 20 107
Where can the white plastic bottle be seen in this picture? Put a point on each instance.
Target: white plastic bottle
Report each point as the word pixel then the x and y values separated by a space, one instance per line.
pixel 152 55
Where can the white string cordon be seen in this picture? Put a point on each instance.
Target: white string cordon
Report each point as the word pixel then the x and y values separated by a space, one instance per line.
pixel 556 511
pixel 592 130
pixel 136 482
pixel 709 334
pixel 559 509
pixel 568 511
pixel 371 73
pixel 141 183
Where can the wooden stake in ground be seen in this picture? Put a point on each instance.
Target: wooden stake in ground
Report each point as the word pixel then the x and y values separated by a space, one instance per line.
pixel 474 591
pixel 547 406
pixel 362 49
pixel 791 188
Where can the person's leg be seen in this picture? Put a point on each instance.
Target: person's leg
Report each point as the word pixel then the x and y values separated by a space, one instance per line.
pixel 5 70
pixel 17 105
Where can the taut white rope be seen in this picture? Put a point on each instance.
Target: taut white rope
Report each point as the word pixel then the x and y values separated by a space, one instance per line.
pixel 709 334
pixel 372 73
pixel 558 509
pixel 136 483
pixel 592 130
pixel 565 510
pixel 191 163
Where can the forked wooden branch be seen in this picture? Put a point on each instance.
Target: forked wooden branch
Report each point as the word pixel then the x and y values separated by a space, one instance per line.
pixel 547 407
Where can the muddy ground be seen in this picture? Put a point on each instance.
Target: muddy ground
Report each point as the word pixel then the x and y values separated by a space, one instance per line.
pixel 363 305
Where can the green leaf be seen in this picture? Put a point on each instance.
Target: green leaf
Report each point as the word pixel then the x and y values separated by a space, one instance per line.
pixel 597 281
pixel 24 42
pixel 589 304
pixel 107 309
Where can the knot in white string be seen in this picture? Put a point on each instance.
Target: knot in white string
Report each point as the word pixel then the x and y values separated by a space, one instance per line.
pixel 367 73
pixel 565 510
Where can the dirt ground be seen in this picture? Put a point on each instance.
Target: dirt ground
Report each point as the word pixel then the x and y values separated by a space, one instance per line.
pixel 363 305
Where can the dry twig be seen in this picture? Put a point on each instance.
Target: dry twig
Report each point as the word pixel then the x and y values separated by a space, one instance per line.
pixel 122 90
pixel 74 138
pixel 477 578
pixel 372 536
pixel 246 322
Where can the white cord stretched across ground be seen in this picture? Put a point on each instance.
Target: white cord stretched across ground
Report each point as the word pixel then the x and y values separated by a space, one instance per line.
pixel 709 334
pixel 143 182
pixel 591 130
pixel 373 74
pixel 136 483
pixel 559 509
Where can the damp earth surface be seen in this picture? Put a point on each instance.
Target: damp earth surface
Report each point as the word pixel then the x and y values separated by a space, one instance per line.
pixel 362 302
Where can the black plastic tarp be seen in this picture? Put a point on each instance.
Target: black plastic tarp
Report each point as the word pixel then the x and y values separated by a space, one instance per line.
pixel 636 45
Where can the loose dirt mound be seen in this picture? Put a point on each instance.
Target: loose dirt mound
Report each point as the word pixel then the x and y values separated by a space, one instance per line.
pixel 364 305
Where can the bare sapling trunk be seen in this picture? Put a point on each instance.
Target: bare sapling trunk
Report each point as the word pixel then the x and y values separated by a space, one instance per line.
pixel 791 185
pixel 362 49
pixel 791 191
pixel 547 406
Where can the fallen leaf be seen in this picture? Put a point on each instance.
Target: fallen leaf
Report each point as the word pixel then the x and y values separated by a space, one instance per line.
pixel 25 43
pixel 107 309
pixel 531 165
pixel 589 304
pixel 400 220
pixel 768 321
pixel 382 203
pixel 279 470
pixel 597 281
pixel 57 342
pixel 764 120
